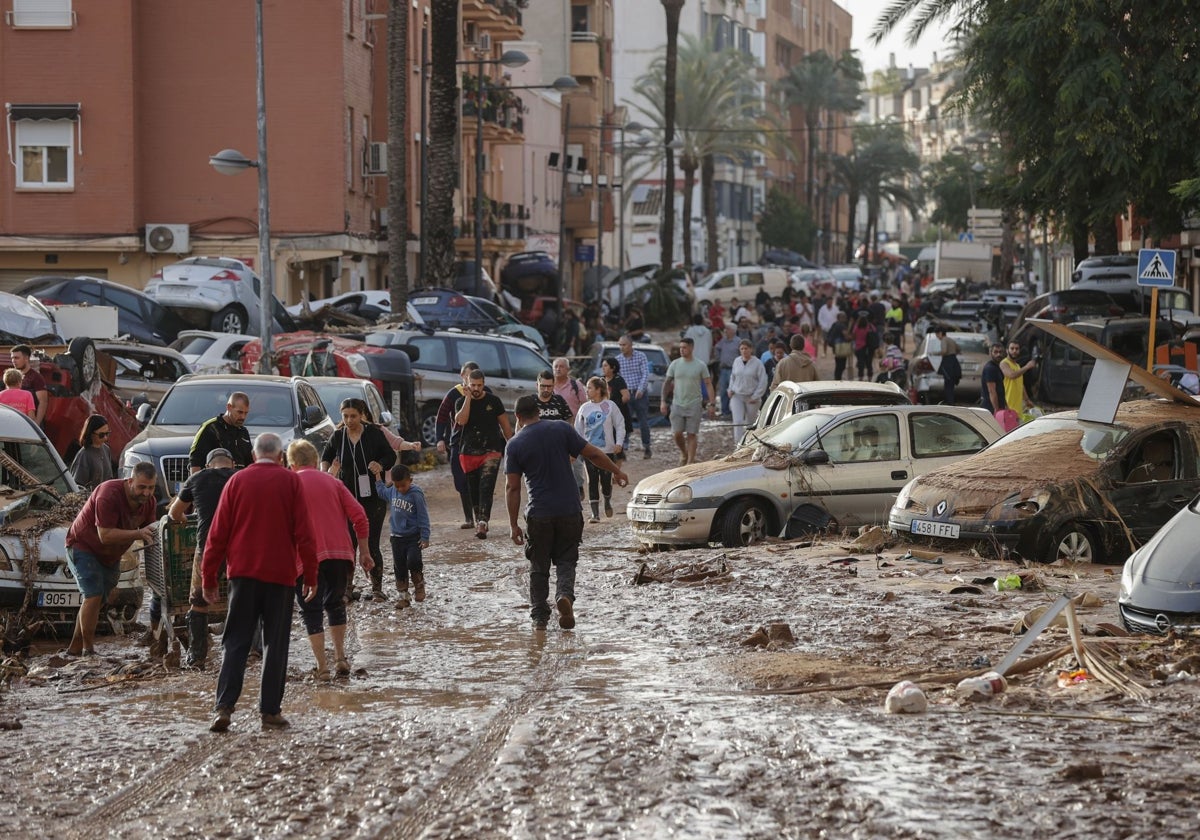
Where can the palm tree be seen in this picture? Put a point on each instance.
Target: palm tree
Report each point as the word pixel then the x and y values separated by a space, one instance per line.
pixel 877 168
pixel 820 85
pixel 443 137
pixel 398 75
pixel 719 114
pixel 673 8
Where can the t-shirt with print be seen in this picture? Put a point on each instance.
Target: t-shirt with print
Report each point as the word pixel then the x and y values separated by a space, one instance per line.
pixel 687 374
pixel 542 452
pixel 593 416
pixel 481 433
pixel 555 408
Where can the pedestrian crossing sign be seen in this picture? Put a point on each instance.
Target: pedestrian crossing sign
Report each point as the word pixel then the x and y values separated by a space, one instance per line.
pixel 1156 267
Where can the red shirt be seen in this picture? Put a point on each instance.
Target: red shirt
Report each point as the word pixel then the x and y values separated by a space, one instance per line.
pixel 330 505
pixel 261 529
pixel 108 507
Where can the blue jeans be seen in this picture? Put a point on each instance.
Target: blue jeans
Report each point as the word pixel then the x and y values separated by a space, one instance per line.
pixel 639 409
pixel 723 388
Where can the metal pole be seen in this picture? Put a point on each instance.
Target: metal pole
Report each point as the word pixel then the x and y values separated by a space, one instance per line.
pixel 621 233
pixel 479 182
pixel 424 153
pixel 562 215
pixel 266 303
pixel 600 210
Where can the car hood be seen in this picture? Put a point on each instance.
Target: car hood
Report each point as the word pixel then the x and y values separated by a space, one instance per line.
pixel 705 478
pixel 175 440
pixel 1164 574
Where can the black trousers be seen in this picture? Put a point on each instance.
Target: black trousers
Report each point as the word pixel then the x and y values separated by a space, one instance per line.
pixel 551 540
pixel 249 601
pixel 377 511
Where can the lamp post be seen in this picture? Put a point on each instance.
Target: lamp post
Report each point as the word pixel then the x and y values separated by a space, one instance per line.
pixel 233 162
pixel 621 129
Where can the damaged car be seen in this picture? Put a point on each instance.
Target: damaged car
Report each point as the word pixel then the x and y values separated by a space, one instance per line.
pixel 788 398
pixel 38 501
pixel 826 468
pixel 1063 489
pixel 1160 584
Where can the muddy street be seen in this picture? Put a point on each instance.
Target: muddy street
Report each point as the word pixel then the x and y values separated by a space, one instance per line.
pixel 651 719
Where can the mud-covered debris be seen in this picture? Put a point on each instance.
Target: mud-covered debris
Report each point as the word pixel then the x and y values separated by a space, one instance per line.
pixel 1082 773
pixel 714 570
pixel 906 698
pixel 780 633
pixel 872 538
pixel 758 638
pixel 10 725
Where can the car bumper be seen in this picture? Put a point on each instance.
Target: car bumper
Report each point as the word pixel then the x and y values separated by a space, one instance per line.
pixel 657 525
pixel 1005 534
pixel 1157 623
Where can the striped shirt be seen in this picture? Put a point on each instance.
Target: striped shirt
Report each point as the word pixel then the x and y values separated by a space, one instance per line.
pixel 635 370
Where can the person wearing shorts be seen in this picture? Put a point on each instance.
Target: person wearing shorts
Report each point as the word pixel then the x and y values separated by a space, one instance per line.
pixel 687 380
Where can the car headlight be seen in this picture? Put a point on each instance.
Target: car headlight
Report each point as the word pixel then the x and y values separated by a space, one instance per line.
pixel 679 495
pixel 1030 504
pixel 1127 576
pixel 131 459
pixel 902 497
pixel 358 364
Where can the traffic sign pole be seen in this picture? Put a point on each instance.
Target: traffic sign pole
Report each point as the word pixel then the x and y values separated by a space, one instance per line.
pixel 1153 320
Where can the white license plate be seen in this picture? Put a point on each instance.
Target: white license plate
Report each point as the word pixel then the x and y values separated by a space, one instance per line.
pixel 641 515
pixel 424 301
pixel 59 599
pixel 929 528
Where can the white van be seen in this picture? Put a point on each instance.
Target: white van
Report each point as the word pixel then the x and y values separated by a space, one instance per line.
pixel 743 282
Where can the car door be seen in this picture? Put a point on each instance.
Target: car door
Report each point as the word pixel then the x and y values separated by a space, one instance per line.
pixel 868 464
pixel 936 440
pixel 320 433
pixel 1062 374
pixel 1145 500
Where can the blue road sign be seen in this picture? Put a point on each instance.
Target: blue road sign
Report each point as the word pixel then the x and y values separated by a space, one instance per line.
pixel 1156 267
pixel 966 236
pixel 585 253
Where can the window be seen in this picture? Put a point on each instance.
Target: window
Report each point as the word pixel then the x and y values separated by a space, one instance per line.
pixel 579 19
pixel 486 353
pixel 44 154
pixel 42 14
pixel 349 141
pixel 124 301
pixel 433 353
pixel 936 436
pixel 753 279
pixel 523 363
pixel 872 438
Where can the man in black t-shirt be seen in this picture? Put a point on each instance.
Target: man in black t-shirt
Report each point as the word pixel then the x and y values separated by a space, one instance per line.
pixel 201 492
pixel 225 431
pixel 485 429
pixel 551 406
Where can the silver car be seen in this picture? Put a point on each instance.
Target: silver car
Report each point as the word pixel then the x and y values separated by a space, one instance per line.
pixel 972 356
pixel 656 357
pixel 217 293
pixel 829 467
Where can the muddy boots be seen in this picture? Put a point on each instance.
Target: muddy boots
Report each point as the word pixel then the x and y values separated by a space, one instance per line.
pixel 418 579
pixel 402 599
pixel 608 507
pixel 595 512
pixel 197 655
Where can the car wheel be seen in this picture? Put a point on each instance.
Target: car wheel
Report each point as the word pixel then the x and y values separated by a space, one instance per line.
pixel 230 320
pixel 1074 543
pixel 429 425
pixel 744 523
pixel 83 353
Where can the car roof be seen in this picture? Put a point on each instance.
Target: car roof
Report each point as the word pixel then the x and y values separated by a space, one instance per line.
pixel 15 425
pixel 239 378
pixel 840 412
pixel 832 386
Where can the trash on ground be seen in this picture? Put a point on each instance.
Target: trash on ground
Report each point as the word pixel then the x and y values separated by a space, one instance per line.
pixel 714 570
pixel 986 685
pixel 906 698
pixel 1070 678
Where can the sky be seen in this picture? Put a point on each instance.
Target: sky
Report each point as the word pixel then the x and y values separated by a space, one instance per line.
pixel 865 13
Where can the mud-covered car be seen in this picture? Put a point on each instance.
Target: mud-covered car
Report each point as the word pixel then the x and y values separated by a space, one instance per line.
pixel 788 398
pixel 829 467
pixel 35 581
pixel 1160 584
pixel 1061 488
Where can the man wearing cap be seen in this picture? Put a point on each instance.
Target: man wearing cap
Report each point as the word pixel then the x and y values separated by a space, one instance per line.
pixel 541 453
pixel 201 492
pixel 225 431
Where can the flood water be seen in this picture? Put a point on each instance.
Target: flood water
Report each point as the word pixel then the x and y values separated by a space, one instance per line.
pixel 463 720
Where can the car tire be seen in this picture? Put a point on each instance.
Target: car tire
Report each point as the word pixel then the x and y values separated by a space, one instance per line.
pixel 230 320
pixel 429 424
pixel 745 522
pixel 1074 543
pixel 87 370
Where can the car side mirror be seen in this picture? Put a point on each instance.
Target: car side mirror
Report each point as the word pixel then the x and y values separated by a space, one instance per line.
pixel 313 415
pixel 386 418
pixel 815 457
pixel 143 413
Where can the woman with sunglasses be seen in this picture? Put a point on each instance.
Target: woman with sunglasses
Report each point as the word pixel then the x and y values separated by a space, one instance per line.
pixel 93 465
pixel 357 450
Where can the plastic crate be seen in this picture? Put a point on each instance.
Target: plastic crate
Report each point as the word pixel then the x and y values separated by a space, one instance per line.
pixel 169 567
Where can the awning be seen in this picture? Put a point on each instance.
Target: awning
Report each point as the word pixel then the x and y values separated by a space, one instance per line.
pixel 43 112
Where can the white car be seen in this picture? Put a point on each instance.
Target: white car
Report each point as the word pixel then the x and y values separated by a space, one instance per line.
pixel 829 467
pixel 371 304
pixel 211 352
pixel 217 293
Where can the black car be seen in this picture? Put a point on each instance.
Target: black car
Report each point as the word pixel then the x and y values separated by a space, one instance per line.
pixel 1067 305
pixel 138 316
pixel 530 273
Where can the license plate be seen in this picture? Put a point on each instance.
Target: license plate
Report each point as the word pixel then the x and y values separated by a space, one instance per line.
pixel 60 599
pixel 424 301
pixel 929 528
pixel 641 515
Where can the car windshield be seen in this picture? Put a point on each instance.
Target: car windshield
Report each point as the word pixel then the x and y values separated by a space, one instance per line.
pixel 1096 440
pixel 191 403
pixel 332 394
pixel 790 433
pixel 194 345
pixel 33 460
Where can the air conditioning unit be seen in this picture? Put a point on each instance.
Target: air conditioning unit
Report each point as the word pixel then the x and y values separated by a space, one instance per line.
pixel 383 219
pixel 167 239
pixel 377 161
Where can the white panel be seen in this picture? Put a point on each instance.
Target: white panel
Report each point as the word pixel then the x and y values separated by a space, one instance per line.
pixel 42 13
pixel 44 132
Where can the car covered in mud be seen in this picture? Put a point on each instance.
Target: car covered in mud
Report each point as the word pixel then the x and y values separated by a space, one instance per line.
pixel 788 398
pixel 38 501
pixel 1061 488
pixel 825 468
pixel 1160 584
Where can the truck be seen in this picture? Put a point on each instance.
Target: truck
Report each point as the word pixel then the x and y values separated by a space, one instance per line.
pixel 967 260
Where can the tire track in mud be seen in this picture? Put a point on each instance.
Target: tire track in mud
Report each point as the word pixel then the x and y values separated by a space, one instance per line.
pixel 106 816
pixel 466 774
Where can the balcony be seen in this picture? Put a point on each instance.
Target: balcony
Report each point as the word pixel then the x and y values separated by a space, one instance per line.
pixel 585 56
pixel 500 18
pixel 581 214
pixel 502 222
pixel 503 111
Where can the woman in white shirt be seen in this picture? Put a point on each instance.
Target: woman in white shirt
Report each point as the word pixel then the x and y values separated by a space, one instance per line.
pixel 747 386
pixel 599 422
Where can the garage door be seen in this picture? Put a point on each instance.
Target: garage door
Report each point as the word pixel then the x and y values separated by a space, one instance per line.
pixel 10 278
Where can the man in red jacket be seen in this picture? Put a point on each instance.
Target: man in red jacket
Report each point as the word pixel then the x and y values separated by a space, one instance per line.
pixel 261 534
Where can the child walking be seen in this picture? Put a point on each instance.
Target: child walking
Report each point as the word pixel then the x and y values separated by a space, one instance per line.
pixel 599 422
pixel 410 530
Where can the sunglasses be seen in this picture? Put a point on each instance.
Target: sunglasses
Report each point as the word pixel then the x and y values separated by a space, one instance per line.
pixel 102 434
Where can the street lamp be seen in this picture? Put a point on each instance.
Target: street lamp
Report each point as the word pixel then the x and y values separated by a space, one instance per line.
pixel 233 162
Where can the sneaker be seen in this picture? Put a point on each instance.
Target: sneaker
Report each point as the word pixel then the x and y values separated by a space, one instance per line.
pixel 481 530
pixel 466 526
pixel 594 519
pixel 221 721
pixel 566 612
pixel 274 722
pixel 418 587
pixel 608 508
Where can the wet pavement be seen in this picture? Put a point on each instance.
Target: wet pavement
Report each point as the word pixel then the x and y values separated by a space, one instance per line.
pixel 650 719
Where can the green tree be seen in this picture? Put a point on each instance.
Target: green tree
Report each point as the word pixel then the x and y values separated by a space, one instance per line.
pixel 821 86
pixel 786 223
pixel 879 168
pixel 398 80
pixel 949 184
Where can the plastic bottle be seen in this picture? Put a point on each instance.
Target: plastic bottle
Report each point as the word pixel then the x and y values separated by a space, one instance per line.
pixel 905 698
pixel 984 686
pixel 1007 582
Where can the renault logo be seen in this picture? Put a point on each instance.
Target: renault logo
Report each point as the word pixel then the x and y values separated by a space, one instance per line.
pixel 940 510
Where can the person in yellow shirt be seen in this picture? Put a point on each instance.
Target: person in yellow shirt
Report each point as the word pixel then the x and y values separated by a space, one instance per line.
pixel 1014 379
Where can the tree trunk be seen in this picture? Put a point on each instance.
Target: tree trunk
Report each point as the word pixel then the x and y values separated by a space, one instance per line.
pixel 443 141
pixel 708 198
pixel 398 79
pixel 1079 237
pixel 672 9
pixel 1008 249
pixel 1105 235
pixel 814 146
pixel 688 164
pixel 851 221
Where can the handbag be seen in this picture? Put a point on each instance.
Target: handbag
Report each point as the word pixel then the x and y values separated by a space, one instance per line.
pixel 843 349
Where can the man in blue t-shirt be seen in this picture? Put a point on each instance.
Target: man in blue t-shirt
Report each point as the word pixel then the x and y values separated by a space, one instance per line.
pixel 992 390
pixel 541 453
